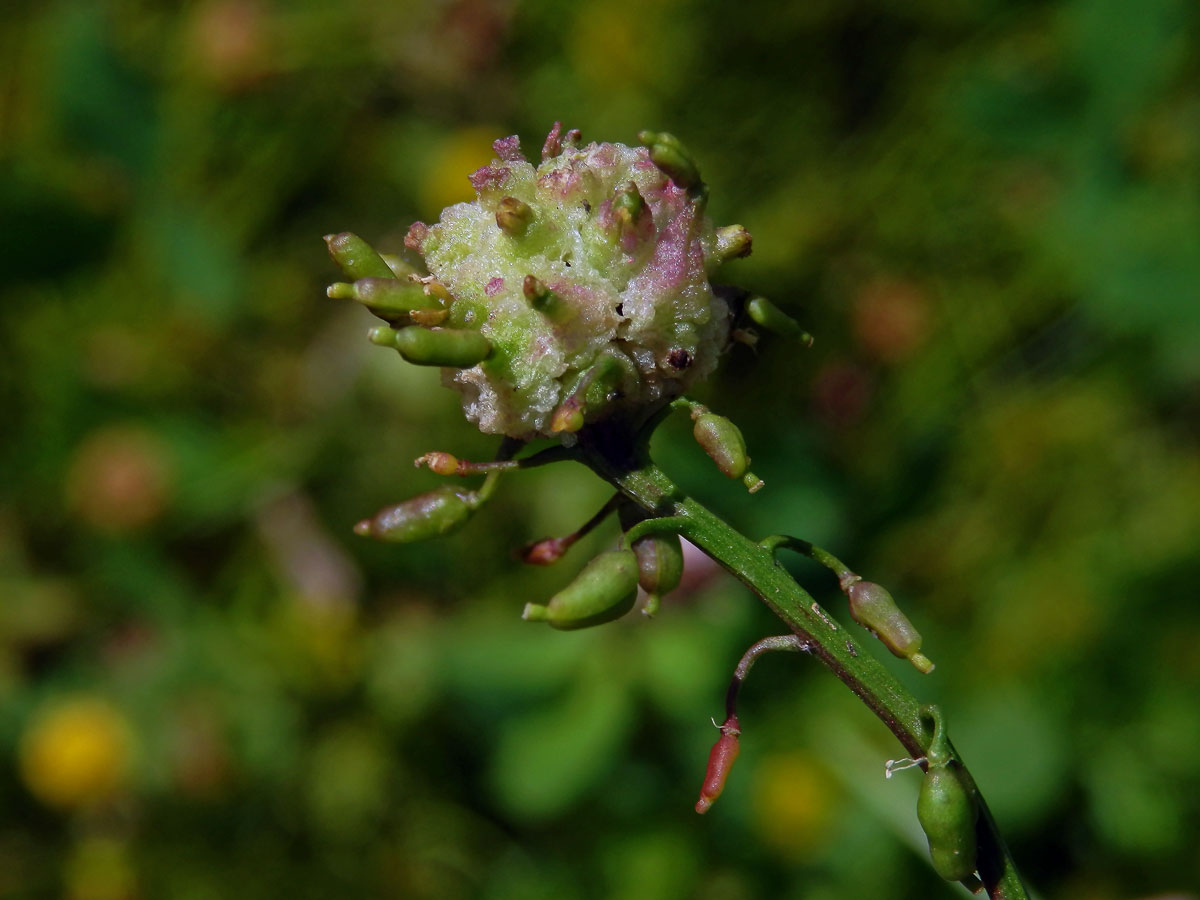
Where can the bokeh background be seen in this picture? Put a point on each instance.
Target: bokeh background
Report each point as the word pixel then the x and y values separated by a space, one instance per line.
pixel 987 212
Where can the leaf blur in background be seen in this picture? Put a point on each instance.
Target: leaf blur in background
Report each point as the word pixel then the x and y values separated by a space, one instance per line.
pixel 989 216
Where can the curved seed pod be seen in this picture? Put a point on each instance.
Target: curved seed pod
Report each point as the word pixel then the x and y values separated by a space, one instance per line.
pixel 433 514
pixel 720 761
pixel 356 257
pixel 872 606
pixel 388 298
pixel 668 153
pixel 605 590
pixel 733 242
pixel 442 346
pixel 514 216
pixel 947 809
pixel 771 317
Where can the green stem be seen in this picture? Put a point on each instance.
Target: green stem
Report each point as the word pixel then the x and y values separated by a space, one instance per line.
pixel 755 566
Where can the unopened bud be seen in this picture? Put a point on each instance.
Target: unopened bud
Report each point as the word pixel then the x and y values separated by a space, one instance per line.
pixel 872 606
pixel 438 512
pixel 545 552
pixel 628 204
pixel 592 391
pixel 514 216
pixel 668 153
pixel 660 562
pixel 720 761
pixel 733 242
pixel 356 257
pixel 772 318
pixel 606 589
pixel 545 301
pixel 438 462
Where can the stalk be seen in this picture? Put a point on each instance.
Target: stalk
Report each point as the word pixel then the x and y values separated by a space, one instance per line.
pixel 641 481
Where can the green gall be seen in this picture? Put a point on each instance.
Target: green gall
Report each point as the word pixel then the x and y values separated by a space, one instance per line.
pixel 625 253
pixel 356 257
pixel 606 589
pixel 433 514
pixel 872 606
pixel 514 217
pixel 668 153
pixel 771 317
pixel 450 347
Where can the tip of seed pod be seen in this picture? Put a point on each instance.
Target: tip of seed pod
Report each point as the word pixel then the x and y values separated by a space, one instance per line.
pixel 340 290
pixel 363 528
pixel 535 612
pixel 753 483
pixel 703 805
pixel 382 336
pixel 922 663
pixel 806 339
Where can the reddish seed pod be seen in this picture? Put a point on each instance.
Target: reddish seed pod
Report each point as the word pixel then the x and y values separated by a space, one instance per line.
pixel 546 551
pixel 720 761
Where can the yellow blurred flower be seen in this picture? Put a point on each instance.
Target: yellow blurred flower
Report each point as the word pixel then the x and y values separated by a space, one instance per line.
pixel 446 182
pixel 795 802
pixel 76 752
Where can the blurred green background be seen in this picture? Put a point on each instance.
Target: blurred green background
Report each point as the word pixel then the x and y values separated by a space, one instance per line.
pixel 987 212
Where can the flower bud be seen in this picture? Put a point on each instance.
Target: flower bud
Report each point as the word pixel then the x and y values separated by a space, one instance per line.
pixel 545 552
pixel 733 242
pixel 433 514
pixel 514 216
pixel 593 390
pixel 720 761
pixel 771 317
pixel 872 606
pixel 545 300
pixel 668 153
pixel 434 347
pixel 605 590
pixel 356 257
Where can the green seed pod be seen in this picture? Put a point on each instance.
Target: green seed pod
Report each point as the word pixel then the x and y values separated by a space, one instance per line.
pixel 771 317
pixel 605 590
pixel 733 242
pixel 356 257
pixel 433 514
pixel 660 561
pixel 440 347
pixel 514 216
pixel 947 809
pixel 668 153
pixel 872 606
pixel 388 298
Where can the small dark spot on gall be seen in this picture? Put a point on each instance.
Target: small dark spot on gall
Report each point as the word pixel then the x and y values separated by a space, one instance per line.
pixel 620 309
pixel 679 358
pixel 587 207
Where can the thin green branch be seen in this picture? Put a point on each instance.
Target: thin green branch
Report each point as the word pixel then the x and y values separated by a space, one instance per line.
pixel 755 566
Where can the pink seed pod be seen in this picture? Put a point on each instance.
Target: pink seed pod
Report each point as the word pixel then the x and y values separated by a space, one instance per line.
pixel 720 761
